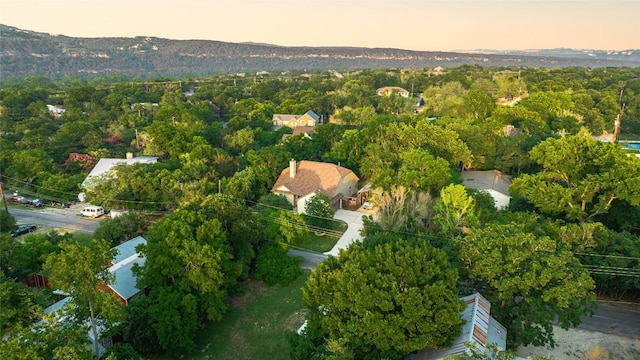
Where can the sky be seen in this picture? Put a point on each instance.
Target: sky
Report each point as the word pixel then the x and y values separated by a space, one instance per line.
pixel 427 25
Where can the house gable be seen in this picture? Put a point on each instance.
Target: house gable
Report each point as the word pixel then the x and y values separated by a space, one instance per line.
pixel 307 177
pixel 480 328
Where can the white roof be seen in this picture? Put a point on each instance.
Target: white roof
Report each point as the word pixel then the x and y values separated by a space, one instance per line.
pixel 479 328
pixel 486 180
pixel 106 164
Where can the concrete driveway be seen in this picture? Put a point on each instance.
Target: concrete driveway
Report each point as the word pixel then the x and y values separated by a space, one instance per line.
pixel 354 224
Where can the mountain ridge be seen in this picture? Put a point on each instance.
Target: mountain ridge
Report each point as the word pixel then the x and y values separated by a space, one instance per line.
pixel 28 53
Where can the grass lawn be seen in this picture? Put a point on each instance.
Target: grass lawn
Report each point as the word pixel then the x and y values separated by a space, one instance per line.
pixel 321 243
pixel 255 327
pixel 82 237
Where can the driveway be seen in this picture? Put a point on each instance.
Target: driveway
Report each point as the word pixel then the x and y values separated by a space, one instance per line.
pixel 354 224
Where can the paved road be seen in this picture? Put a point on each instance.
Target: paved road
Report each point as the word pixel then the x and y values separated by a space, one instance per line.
pixel 65 219
pixel 614 318
pixel 311 260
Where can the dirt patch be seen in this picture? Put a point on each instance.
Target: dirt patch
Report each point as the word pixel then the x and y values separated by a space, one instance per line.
pixel 586 345
pixel 252 289
pixel 296 319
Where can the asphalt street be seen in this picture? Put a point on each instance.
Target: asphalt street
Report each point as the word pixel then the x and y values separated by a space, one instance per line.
pixel 66 219
pixel 622 319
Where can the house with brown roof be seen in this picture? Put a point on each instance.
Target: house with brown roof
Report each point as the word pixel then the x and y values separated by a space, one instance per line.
pixel 309 118
pixel 302 180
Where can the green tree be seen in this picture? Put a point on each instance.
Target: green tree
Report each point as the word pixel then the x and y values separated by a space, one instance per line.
pixel 454 211
pixel 580 177
pixel 385 301
pixel 80 271
pixel 195 257
pixel 121 228
pixel 477 104
pixel 284 226
pixel 20 304
pixel 50 339
pixel 7 222
pixel 318 210
pixel 531 280
pixel 138 329
pixel 421 171
pixel 274 266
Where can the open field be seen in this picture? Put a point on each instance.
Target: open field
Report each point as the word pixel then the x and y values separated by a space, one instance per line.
pixel 256 325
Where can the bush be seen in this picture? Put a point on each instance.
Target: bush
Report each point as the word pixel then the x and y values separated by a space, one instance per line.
pixel 274 266
pixel 7 222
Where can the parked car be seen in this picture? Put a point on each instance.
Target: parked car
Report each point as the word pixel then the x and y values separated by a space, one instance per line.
pixel 18 200
pixel 34 203
pixel 367 205
pixel 23 229
pixel 92 211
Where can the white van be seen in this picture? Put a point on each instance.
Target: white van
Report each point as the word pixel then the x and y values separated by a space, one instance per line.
pixel 92 211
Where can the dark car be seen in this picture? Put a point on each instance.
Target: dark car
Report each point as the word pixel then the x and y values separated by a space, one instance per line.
pixel 23 229
pixel 34 203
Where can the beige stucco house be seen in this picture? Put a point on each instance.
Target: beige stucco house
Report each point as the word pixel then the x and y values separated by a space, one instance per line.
pixel 307 119
pixel 302 180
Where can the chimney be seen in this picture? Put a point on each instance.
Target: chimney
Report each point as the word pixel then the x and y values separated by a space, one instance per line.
pixel 129 156
pixel 292 168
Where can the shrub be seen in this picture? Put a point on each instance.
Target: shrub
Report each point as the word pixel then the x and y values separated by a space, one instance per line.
pixel 274 266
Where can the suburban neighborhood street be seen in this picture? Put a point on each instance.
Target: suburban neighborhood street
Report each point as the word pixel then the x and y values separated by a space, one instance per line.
pixel 66 219
pixel 311 260
pixel 614 318
pixel 610 317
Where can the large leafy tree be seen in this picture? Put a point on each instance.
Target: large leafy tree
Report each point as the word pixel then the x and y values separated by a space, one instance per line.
pixel 384 300
pixel 421 171
pixel 50 339
pixel 531 279
pixel 194 258
pixel 81 271
pixel 580 177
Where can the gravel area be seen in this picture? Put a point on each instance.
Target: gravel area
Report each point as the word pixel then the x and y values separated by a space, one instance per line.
pixel 588 345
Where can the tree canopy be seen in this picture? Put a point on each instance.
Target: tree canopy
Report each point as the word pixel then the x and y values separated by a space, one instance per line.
pixel 385 301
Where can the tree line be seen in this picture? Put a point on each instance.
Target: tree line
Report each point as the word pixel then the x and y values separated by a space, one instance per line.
pixel 570 224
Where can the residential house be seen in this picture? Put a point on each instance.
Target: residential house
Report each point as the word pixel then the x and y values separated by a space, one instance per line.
pixel 124 287
pixel 390 90
pixel 492 181
pixel 307 119
pixel 302 180
pixel 105 165
pixel 480 329
pixel 305 131
pixel 56 110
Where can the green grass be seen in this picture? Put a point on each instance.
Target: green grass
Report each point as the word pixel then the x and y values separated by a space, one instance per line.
pixel 321 243
pixel 83 238
pixel 255 327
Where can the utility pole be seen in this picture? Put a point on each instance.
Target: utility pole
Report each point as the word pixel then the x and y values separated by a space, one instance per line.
pixel 4 200
pixel 616 130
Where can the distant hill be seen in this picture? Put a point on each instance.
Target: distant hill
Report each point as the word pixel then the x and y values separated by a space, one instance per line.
pixel 28 53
